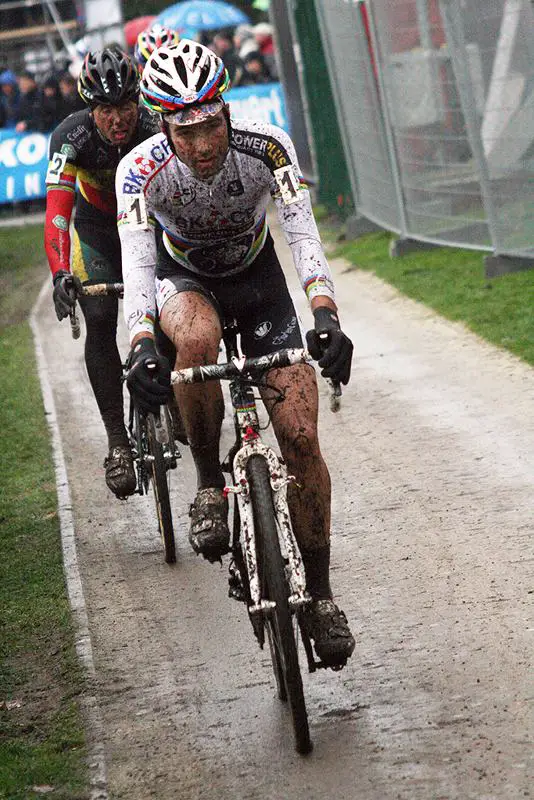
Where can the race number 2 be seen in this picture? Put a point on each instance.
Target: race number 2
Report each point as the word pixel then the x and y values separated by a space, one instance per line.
pixel 55 167
pixel 287 183
pixel 135 211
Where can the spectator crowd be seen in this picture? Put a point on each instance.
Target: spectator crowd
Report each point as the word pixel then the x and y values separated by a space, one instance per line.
pixel 29 104
pixel 26 105
pixel 247 52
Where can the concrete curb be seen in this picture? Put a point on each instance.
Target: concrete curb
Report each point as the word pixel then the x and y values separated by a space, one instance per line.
pixel 96 757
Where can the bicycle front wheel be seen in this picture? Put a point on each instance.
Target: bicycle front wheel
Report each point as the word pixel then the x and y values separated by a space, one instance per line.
pixel 158 475
pixel 274 587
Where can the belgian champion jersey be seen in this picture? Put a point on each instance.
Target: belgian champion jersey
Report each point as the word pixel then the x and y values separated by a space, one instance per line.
pixel 78 152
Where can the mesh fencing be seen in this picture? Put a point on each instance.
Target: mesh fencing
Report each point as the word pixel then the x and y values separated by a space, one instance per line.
pixel 436 99
pixel 362 129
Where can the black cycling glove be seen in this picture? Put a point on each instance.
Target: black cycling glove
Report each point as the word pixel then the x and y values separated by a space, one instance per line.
pixel 64 294
pixel 149 376
pixel 329 346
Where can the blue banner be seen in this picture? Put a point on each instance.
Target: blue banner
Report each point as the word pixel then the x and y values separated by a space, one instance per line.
pixel 264 102
pixel 23 165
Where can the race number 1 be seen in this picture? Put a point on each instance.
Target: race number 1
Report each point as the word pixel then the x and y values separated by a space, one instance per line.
pixel 287 183
pixel 55 167
pixel 135 211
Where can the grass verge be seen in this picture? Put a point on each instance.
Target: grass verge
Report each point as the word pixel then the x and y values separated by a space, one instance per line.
pixel 452 282
pixel 41 734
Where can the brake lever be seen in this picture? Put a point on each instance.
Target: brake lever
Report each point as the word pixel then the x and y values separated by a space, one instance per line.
pixel 334 386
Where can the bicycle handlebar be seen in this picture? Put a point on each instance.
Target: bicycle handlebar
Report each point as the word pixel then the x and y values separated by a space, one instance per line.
pixel 94 290
pixel 250 367
pixel 240 367
pixel 233 369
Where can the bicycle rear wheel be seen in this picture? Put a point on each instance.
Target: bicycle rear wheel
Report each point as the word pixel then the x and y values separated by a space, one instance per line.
pixel 158 475
pixel 274 587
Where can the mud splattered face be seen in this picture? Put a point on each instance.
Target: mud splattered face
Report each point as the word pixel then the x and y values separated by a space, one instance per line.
pixel 117 123
pixel 203 146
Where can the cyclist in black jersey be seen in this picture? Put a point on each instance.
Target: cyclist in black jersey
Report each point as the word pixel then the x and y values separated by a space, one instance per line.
pixel 86 149
pixel 206 181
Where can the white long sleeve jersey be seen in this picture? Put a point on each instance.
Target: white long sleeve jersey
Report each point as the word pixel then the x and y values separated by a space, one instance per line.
pixel 213 228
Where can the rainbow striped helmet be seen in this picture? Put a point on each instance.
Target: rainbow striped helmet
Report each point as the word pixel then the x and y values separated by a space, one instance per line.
pixel 150 40
pixel 181 75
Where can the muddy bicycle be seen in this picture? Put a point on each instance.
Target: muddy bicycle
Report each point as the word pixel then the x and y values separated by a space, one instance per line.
pixel 266 570
pixel 154 448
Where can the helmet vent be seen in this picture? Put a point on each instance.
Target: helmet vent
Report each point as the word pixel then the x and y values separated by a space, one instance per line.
pixel 180 69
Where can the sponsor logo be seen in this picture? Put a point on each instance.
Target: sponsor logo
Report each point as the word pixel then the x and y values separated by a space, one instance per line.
pixel 270 150
pixel 145 165
pixel 60 222
pixel 276 154
pixel 159 152
pixel 98 264
pixel 248 141
pixel 262 329
pixel 286 333
pixel 68 149
pixel 235 188
pixel 101 156
pixel 183 197
pixel 80 132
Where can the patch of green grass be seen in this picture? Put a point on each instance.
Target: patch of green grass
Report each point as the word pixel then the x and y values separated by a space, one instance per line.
pixel 452 282
pixel 22 270
pixel 41 735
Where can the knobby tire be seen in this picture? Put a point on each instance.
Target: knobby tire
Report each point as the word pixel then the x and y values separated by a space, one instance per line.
pixel 274 587
pixel 158 474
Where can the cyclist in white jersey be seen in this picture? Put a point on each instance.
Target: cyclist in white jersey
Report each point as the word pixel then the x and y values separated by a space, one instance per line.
pixel 206 181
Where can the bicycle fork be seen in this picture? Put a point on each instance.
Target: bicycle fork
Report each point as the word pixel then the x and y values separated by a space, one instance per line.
pixel 279 481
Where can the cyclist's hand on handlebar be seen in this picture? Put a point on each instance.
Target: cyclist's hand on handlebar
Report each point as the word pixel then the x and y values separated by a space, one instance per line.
pixel 329 346
pixel 64 294
pixel 149 376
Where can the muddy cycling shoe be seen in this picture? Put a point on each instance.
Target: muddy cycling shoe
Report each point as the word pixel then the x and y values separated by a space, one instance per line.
pixel 178 428
pixel 209 534
pixel 120 473
pixel 327 625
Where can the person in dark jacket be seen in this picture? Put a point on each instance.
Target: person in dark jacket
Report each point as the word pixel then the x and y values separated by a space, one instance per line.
pixel 70 99
pixel 223 45
pixel 29 110
pixel 51 106
pixel 9 99
pixel 255 70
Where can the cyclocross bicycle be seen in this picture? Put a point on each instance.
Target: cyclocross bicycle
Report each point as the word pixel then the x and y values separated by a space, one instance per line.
pixel 151 436
pixel 266 570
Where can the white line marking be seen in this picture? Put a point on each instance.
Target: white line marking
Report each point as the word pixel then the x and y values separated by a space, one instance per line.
pixel 95 746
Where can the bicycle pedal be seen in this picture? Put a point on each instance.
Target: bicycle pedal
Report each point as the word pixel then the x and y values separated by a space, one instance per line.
pixel 236 593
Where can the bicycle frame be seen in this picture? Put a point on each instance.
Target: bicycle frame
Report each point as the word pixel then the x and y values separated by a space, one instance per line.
pixel 243 375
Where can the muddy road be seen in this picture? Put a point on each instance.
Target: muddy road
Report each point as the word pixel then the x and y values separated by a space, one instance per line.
pixel 432 461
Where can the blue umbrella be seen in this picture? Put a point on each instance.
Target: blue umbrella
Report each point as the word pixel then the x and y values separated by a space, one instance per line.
pixel 202 15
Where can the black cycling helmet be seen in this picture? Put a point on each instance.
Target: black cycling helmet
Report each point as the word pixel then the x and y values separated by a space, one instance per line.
pixel 108 77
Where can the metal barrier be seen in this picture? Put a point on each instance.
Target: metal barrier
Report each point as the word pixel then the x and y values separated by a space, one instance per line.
pixel 435 99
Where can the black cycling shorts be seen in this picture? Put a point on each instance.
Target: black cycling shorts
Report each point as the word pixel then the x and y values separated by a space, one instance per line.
pixel 96 253
pixel 257 298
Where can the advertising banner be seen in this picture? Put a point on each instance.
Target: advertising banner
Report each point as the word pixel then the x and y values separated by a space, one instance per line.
pixel 264 102
pixel 24 156
pixel 23 165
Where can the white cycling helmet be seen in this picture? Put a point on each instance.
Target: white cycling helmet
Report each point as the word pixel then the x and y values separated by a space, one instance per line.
pixel 182 75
